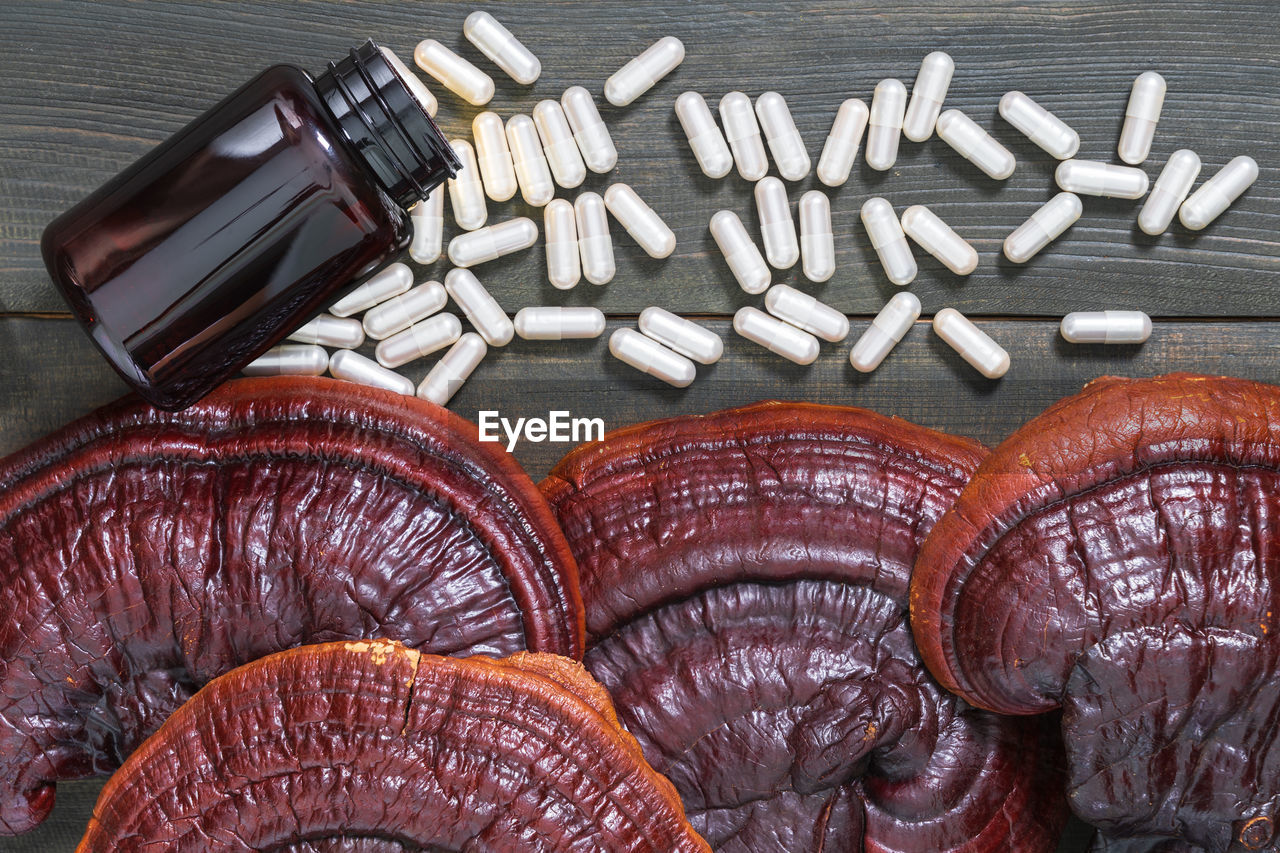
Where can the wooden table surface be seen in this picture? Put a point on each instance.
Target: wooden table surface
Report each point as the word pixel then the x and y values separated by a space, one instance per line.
pixel 89 87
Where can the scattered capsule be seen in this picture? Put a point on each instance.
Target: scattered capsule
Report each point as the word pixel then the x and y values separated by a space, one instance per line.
pixel 740 252
pixel 1043 227
pixel 1093 177
pixel 391 280
pixel 532 172
pixel 889 326
pixel 784 140
pixel 594 243
pixel 427 217
pixel 481 309
pixel 1169 191
pixel 936 237
pixel 841 149
pixel 419 340
pixel 558 144
pixel 889 241
pixel 564 268
pixel 884 125
pixel 1216 194
pixel 705 138
pixel 494 241
pixel 330 331
pixel 553 323
pixel 777 230
pixel 640 74
pixel 454 73
pixel 289 360
pixel 817 243
pixel 742 131
pixel 466 193
pixel 589 130
pixel 493 156
pixel 1145 102
pixel 640 220
pixel 776 336
pixel 684 336
pixel 805 312
pixel 927 95
pixel 453 369
pixel 974 345
pixel 1106 327
pixel 975 144
pixel 503 49
pixel 400 312
pixel 1039 125
pixel 648 356
pixel 351 366
pixel 420 93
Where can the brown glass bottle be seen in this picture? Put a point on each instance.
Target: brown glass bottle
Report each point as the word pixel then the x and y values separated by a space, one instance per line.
pixel 247 222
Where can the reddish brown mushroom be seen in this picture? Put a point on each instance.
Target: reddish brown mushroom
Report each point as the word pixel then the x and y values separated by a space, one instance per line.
pixel 745 577
pixel 1117 557
pixel 143 553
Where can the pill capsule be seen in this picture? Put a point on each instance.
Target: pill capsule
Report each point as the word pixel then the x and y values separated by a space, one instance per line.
pixel 454 73
pixel 480 308
pixel 640 74
pixel 1043 227
pixel 974 345
pixel 1039 125
pixel 595 246
pixel 684 336
pixel 1106 327
pixel 420 92
pixel 742 132
pixel 532 172
pixel 351 366
pixel 564 269
pixel 289 360
pixel 777 229
pixel 453 369
pixel 705 139
pixel 552 323
pixel 392 280
pixel 740 252
pixel 419 340
pixel 927 95
pixel 1145 102
pixel 558 144
pixel 503 49
pixel 784 140
pixel 1093 177
pixel 648 356
pixel 1216 194
pixel 640 220
pixel 884 125
pixel 889 241
pixel 427 217
pixel 493 241
pixel 817 244
pixel 589 130
pixel 776 336
pixel 466 193
pixel 330 331
pixel 842 144
pixel 493 156
pixel 805 312
pixel 975 144
pixel 936 237
pixel 401 312
pixel 1169 191
pixel 889 326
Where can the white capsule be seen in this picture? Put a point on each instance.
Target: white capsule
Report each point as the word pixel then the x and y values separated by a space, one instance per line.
pixel 400 312
pixel 927 95
pixel 1169 191
pixel 493 156
pixel 493 241
pixel 391 280
pixel 740 252
pixel 351 366
pixel 1093 177
pixel 466 193
pixel 1039 125
pixel 453 369
pixel 705 139
pixel 552 323
pixel 480 308
pixel 805 312
pixel 974 345
pixel 420 93
pixel 428 227
pixel 564 269
pixel 742 132
pixel 289 360
pixel 1145 102
pixel 842 143
pixel 532 172
pixel 1106 327
pixel 505 50
pixel 1043 227
pixel 776 336
pixel 640 74
pixel 684 336
pixel 1216 194
pixel 784 140
pixel 594 243
pixel 640 221
pixel 889 326
pixel 330 331
pixel 777 230
pixel 889 241
pixel 975 144
pixel 884 125
pixel 420 339
pixel 649 356
pixel 455 73
pixel 589 130
pixel 558 144
pixel 817 244
pixel 936 237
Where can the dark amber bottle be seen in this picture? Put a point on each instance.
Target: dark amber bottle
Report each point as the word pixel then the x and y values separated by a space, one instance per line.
pixel 247 222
